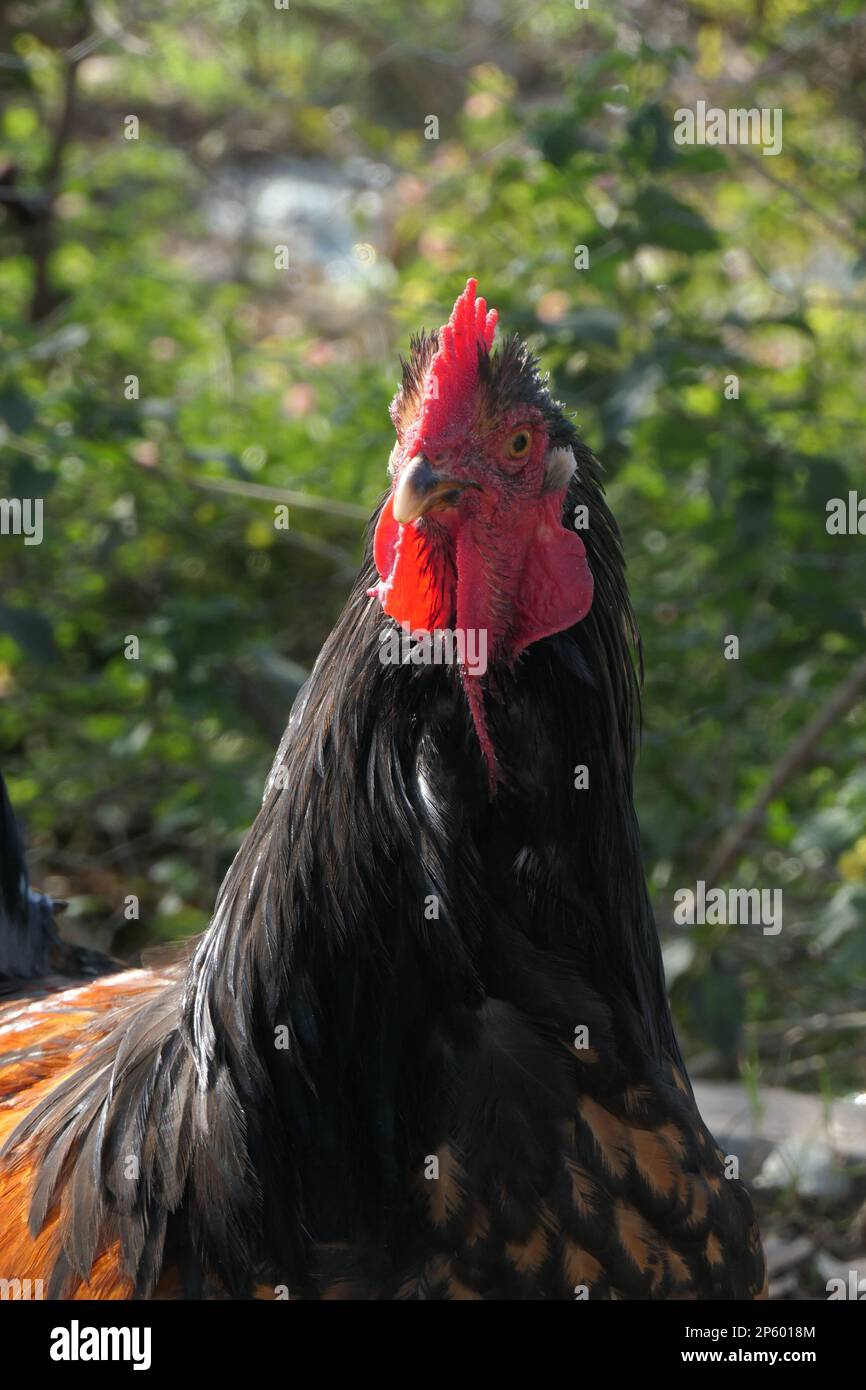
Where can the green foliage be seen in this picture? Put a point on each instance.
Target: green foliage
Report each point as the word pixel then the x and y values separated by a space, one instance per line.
pixel 306 127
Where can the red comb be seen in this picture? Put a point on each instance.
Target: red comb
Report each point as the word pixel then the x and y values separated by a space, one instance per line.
pixel 454 370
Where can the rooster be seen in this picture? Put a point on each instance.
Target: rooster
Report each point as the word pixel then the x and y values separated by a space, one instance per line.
pixel 424 1049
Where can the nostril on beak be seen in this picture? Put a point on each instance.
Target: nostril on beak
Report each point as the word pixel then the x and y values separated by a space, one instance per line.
pixel 420 488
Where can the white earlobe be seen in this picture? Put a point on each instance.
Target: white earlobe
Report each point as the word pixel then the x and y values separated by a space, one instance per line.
pixel 559 466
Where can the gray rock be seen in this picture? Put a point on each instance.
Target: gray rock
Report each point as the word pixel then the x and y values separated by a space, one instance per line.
pixel 753 1129
pixel 807 1166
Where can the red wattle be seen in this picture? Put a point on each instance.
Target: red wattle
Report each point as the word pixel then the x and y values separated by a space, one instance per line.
pixel 410 590
pixel 551 590
pixel 513 588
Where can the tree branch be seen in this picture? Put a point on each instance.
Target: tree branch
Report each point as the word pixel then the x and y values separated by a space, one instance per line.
pixel 834 708
pixel 43 298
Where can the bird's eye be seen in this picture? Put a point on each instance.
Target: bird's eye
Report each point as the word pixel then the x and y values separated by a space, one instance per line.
pixel 519 444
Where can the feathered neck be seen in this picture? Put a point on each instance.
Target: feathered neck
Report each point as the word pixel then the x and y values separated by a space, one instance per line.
pixel 379 801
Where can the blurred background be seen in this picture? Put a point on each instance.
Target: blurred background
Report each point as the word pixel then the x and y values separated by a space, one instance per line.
pixel 201 311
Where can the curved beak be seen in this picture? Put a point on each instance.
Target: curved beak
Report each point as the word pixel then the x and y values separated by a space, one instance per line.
pixel 420 488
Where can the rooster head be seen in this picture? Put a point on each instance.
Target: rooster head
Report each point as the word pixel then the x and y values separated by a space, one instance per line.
pixel 471 536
